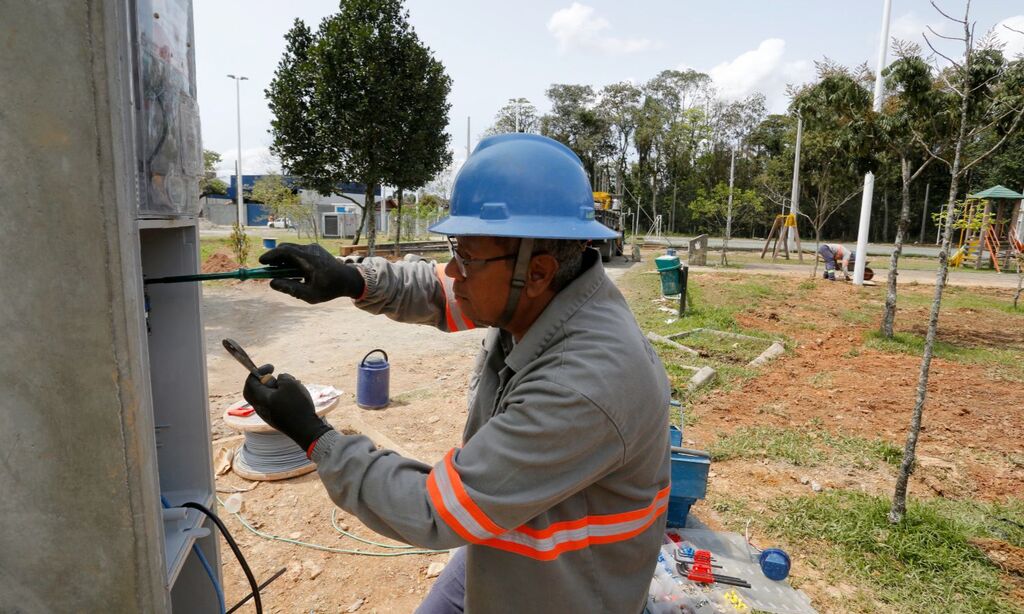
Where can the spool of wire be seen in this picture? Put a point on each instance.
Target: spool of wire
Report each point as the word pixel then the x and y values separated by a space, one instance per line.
pixel 267 454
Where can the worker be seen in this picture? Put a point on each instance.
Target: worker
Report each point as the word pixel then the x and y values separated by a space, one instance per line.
pixel 559 489
pixel 833 253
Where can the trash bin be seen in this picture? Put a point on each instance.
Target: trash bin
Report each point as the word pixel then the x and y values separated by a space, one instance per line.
pixel 269 243
pixel 669 266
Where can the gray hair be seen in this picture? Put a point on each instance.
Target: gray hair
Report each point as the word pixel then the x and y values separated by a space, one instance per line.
pixel 569 255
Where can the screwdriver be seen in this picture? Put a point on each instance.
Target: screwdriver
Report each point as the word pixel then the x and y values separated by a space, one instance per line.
pixel 241 356
pixel 266 272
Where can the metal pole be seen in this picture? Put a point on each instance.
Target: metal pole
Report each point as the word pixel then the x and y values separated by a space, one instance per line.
pixel 924 212
pixel 728 216
pixel 238 166
pixel 869 178
pixel 794 198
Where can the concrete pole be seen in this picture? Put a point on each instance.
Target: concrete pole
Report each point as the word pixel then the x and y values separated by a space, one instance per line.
pixel 869 178
pixel 728 216
pixel 924 212
pixel 238 166
pixel 794 198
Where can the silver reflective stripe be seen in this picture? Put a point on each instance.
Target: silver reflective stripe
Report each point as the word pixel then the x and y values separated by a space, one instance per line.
pixel 454 507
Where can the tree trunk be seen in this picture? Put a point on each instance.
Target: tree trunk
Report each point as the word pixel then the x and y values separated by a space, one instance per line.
pixel 371 219
pixel 924 213
pixel 398 223
pixel 885 216
pixel 899 498
pixel 817 246
pixel 901 231
pixel 362 223
pixel 1020 282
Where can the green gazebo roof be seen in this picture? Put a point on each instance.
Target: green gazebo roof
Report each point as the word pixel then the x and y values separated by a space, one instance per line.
pixel 997 192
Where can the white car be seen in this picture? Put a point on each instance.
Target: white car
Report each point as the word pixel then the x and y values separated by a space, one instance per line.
pixel 282 223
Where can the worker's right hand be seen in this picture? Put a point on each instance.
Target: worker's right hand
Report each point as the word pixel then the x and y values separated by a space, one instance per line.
pixel 285 404
pixel 324 277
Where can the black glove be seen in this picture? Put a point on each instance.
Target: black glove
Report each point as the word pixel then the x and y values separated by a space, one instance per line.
pixel 324 276
pixel 285 404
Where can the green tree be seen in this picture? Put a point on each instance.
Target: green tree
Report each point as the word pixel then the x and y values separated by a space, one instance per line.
pixel 518 115
pixel 713 205
pixel 982 93
pixel 575 121
pixel 208 183
pixel 283 203
pixel 360 99
pixel 837 144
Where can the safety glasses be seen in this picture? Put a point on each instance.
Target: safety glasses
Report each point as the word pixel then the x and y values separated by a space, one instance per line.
pixel 465 264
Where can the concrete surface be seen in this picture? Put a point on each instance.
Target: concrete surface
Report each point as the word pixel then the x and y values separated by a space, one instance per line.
pixel 76 490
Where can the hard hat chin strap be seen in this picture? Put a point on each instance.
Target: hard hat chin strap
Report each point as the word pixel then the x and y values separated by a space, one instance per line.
pixel 519 274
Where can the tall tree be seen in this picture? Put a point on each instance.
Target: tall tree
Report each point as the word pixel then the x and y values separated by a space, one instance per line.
pixel 517 115
pixel 836 144
pixel 620 103
pixel 987 94
pixel 361 99
pixel 209 183
pixel 911 112
pixel 576 122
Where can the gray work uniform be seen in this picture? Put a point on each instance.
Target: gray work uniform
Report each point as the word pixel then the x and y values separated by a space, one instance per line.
pixel 561 483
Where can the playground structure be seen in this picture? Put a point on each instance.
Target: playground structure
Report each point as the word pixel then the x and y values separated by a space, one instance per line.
pixel 783 227
pixel 990 229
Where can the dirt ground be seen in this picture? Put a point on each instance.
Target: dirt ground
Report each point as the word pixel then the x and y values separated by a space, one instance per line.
pixel 969 444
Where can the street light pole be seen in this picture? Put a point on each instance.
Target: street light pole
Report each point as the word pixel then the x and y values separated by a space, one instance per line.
pixel 238 166
pixel 869 178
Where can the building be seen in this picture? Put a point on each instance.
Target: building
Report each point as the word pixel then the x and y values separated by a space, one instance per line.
pixel 338 215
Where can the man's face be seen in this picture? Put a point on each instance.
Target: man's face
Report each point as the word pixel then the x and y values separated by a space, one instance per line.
pixel 483 291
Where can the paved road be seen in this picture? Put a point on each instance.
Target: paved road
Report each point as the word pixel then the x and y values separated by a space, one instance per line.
pixel 736 243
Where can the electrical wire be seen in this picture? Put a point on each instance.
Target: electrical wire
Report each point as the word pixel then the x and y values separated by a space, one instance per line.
pixel 297 542
pixel 204 563
pixel 270 453
pixel 234 548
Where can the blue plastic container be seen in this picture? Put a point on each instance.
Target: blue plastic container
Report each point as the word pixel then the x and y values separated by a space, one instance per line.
pixel 689 483
pixel 270 243
pixel 373 381
pixel 675 437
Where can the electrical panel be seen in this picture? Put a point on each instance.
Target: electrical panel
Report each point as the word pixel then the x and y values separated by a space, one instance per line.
pixel 168 139
pixel 169 154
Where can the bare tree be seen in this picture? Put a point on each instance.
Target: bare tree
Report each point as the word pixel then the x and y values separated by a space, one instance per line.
pixel 971 82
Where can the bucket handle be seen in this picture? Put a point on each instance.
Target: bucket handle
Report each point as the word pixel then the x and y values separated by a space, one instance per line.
pixel 363 362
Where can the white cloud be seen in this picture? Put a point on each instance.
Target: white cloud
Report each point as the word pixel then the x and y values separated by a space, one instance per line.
pixel 1013 41
pixel 255 161
pixel 911 27
pixel 577 28
pixel 764 70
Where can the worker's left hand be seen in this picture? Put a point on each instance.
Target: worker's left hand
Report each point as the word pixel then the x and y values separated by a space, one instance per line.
pixel 285 404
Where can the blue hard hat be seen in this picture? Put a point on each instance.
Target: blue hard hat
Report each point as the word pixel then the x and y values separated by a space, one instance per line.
pixel 523 185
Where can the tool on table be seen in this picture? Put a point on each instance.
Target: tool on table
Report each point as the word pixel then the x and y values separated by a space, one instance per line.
pixel 266 272
pixel 699 570
pixel 239 354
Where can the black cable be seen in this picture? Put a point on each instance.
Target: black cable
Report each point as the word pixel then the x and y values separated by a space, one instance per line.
pixel 234 548
pixel 261 587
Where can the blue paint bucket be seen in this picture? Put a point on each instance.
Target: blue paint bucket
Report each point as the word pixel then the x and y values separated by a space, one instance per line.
pixel 270 243
pixel 373 379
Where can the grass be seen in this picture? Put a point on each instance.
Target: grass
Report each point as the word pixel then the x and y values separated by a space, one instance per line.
pixel 924 564
pixel 712 305
pixel 1006 364
pixel 803 447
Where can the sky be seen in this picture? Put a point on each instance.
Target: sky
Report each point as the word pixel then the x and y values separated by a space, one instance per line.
pixel 497 50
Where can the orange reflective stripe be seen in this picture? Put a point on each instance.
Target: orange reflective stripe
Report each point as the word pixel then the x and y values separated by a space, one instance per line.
pixel 464 516
pixel 454 317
